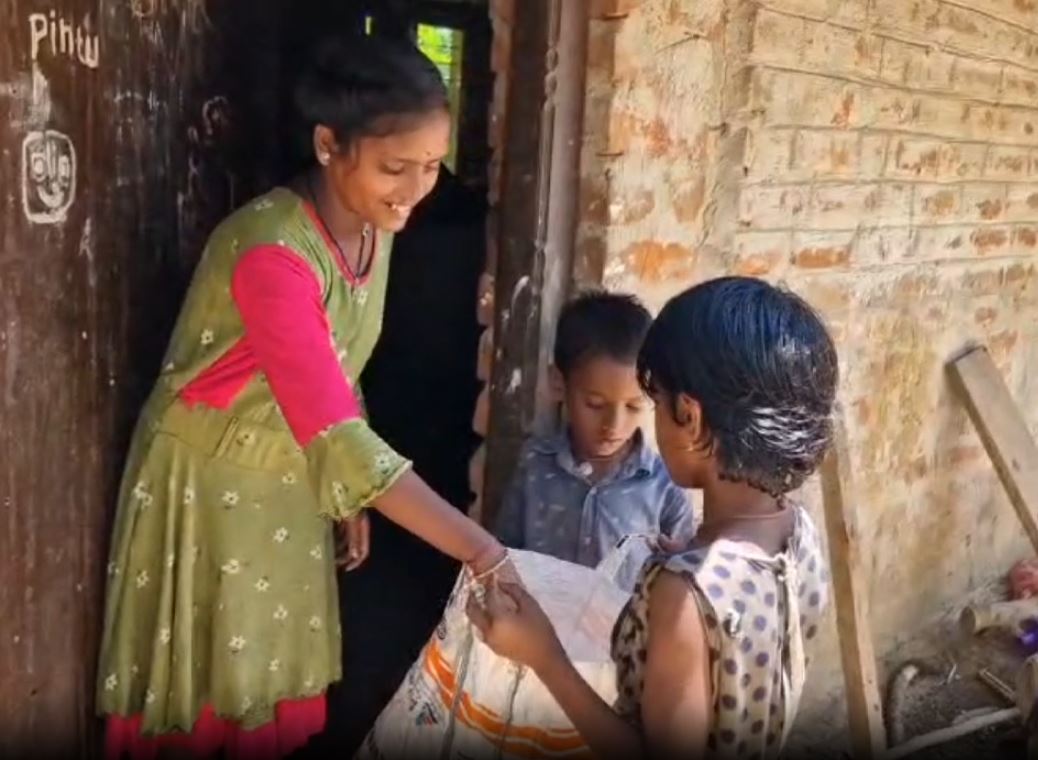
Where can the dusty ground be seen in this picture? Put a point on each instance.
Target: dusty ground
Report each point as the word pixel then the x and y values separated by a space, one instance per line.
pixel 948 691
pixel 935 702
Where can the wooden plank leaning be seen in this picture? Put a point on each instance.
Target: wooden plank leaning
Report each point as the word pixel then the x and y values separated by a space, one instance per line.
pixel 850 587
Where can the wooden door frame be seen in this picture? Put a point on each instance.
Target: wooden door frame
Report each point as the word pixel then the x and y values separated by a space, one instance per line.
pixel 536 231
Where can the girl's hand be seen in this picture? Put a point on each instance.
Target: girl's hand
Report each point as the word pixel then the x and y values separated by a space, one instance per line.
pixel 668 545
pixel 353 542
pixel 514 626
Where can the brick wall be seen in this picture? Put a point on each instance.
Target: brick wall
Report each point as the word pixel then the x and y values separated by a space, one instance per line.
pixel 881 158
pixel 653 129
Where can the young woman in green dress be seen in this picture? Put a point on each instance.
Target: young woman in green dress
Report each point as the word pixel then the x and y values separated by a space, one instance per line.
pixel 221 628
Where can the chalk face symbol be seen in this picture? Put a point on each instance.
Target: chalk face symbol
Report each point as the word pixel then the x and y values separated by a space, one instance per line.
pixel 48 176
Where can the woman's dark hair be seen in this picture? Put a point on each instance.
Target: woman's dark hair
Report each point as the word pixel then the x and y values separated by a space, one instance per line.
pixel 362 86
pixel 764 370
pixel 597 324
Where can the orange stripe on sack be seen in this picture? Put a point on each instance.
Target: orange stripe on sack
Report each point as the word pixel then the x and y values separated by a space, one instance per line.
pixel 522 741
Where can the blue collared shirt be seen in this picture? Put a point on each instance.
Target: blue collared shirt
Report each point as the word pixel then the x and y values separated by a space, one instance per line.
pixel 553 507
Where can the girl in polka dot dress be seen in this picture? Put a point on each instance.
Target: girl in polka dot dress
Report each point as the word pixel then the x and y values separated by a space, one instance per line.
pixel 710 650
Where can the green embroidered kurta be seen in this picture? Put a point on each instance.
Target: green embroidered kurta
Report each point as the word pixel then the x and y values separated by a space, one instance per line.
pixel 221 580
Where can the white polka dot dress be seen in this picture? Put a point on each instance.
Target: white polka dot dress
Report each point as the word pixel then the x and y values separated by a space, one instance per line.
pixel 759 612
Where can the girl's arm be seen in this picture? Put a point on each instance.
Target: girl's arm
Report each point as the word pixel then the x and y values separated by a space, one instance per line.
pixel 676 702
pixel 280 302
pixel 514 626
pixel 606 733
pixel 676 699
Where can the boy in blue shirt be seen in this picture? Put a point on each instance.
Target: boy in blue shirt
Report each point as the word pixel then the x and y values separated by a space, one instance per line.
pixel 577 493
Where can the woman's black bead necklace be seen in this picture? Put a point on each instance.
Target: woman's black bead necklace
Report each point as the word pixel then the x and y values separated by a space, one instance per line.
pixel 364 235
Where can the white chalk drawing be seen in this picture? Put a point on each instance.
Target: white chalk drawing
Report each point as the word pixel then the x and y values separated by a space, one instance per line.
pixel 86 251
pixel 216 118
pixel 151 30
pixel 193 12
pixel 64 37
pixel 149 99
pixel 48 176
pixel 40 104
pixel 209 184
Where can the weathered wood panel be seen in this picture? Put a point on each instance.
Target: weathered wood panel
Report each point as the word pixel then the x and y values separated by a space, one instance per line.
pixel 126 130
pixel 536 230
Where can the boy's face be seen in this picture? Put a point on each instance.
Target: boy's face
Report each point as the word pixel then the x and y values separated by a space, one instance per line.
pixel 605 406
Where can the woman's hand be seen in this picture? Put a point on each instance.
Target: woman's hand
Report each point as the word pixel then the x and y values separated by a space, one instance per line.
pixel 513 625
pixel 353 542
pixel 507 575
pixel 493 563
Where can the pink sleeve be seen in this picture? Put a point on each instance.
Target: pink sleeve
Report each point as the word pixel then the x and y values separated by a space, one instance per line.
pixel 279 299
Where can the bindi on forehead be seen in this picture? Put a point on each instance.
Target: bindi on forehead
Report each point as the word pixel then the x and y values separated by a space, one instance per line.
pixel 426 158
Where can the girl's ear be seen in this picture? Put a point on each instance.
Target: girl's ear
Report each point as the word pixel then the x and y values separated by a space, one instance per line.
pixel 325 144
pixel 689 415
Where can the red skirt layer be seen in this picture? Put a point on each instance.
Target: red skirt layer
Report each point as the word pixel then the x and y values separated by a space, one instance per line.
pixel 295 722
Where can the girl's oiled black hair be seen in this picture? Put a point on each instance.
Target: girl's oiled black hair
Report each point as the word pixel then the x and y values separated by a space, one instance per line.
pixel 763 368
pixel 363 86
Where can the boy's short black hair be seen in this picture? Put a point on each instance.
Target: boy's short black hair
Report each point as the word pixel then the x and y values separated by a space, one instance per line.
pixel 762 366
pixel 597 324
